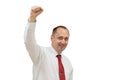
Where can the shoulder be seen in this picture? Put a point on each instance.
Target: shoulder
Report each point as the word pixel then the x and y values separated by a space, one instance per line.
pixel 45 50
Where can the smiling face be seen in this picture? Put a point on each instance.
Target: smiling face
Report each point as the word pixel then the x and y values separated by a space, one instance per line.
pixel 60 39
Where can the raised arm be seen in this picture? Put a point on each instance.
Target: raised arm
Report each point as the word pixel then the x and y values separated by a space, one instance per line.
pixel 29 35
pixel 35 11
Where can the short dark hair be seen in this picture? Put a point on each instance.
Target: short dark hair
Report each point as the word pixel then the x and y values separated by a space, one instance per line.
pixel 60 26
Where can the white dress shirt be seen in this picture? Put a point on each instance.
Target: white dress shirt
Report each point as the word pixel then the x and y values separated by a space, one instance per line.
pixel 45 62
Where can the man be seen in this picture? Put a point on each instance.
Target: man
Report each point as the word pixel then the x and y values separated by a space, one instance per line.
pixel 47 61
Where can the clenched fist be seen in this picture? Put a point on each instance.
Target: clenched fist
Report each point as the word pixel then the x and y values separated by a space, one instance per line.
pixel 35 11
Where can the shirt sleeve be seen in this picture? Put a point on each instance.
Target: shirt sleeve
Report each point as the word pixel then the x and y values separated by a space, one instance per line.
pixel 30 42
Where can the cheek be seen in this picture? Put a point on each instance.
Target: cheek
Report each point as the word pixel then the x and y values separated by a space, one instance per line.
pixel 66 43
pixel 56 42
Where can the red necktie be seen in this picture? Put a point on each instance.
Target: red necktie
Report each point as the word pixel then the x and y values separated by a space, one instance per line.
pixel 61 68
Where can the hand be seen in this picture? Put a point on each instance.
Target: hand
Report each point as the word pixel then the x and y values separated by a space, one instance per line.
pixel 35 11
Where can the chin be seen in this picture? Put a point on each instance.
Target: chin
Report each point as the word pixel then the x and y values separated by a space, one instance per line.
pixel 62 49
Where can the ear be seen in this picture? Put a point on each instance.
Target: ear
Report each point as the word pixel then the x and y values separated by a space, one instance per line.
pixel 51 37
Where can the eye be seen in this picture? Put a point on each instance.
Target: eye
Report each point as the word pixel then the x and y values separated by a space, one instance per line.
pixel 60 38
pixel 66 39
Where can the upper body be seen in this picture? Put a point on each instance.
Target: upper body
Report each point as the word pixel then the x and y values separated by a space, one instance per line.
pixel 45 63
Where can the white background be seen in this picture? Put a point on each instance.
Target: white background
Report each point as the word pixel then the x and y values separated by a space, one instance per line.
pixel 94 46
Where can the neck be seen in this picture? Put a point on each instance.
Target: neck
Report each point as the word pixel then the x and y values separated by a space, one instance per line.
pixel 58 52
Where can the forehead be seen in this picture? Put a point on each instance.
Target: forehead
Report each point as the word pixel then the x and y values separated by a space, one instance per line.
pixel 62 31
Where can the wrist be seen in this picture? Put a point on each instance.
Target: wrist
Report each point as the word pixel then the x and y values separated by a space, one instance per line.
pixel 32 19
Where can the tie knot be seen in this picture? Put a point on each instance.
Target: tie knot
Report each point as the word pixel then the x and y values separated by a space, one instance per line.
pixel 59 56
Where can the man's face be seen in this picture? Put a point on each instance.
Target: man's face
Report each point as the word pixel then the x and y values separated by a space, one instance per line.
pixel 60 39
